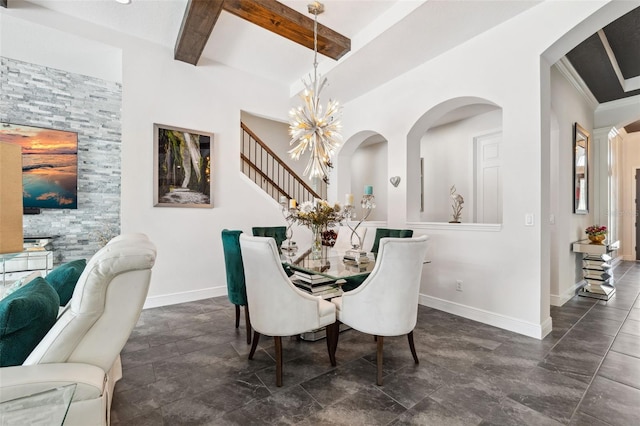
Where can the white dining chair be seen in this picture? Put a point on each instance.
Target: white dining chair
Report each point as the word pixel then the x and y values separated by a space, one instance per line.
pixel 279 308
pixel 386 303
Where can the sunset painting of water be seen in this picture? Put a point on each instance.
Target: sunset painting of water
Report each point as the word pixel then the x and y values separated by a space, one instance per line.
pixel 49 165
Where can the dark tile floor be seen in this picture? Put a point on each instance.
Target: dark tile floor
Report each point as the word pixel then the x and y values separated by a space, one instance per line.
pixel 186 364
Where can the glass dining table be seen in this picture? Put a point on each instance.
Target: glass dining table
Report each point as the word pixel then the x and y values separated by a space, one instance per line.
pixel 331 264
pixel 324 275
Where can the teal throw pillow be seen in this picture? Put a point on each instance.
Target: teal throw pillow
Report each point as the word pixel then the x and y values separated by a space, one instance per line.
pixel 64 278
pixel 26 316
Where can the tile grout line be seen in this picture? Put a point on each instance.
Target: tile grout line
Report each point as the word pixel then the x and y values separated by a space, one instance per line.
pixel 595 374
pixel 584 315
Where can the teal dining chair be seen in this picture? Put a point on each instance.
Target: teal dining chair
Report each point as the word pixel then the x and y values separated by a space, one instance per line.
pixel 392 233
pixel 278 233
pixel 236 288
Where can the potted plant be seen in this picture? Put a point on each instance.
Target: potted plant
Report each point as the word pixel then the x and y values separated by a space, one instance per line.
pixel 596 233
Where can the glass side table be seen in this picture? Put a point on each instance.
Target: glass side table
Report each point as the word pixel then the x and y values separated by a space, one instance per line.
pixel 15 265
pixel 597 271
pixel 44 408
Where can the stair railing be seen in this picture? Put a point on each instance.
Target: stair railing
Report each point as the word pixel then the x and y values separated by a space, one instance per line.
pixel 272 174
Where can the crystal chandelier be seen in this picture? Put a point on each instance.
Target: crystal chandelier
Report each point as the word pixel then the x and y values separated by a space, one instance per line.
pixel 311 126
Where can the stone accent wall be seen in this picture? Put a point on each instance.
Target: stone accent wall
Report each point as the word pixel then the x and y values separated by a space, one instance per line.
pixel 39 96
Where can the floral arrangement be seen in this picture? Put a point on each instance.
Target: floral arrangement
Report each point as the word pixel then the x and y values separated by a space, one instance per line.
pixel 329 238
pixel 456 204
pixel 317 213
pixel 595 230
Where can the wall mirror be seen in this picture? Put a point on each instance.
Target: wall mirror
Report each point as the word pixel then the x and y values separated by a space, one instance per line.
pixel 580 170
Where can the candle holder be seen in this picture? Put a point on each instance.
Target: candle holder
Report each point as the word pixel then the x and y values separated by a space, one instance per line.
pixel 368 203
pixel 287 212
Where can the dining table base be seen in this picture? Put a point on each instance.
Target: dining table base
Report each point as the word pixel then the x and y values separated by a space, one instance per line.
pixel 319 334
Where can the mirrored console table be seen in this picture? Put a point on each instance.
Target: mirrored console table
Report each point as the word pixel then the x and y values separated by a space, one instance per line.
pixel 596 268
pixel 36 256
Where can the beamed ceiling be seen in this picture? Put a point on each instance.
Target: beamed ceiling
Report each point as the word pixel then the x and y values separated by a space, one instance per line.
pixel 201 15
pixel 609 61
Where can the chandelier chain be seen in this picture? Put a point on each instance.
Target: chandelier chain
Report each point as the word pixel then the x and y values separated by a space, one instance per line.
pixel 315 47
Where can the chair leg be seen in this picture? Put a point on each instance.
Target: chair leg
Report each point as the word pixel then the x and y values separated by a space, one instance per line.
pixel 278 341
pixel 256 338
pixel 379 360
pixel 412 347
pixel 333 333
pixel 237 316
pixel 248 323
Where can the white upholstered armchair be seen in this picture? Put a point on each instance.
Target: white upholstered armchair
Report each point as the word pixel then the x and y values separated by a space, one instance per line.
pixel 84 344
pixel 386 303
pixel 278 308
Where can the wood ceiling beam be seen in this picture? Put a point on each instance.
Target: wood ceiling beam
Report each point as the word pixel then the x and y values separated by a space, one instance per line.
pixel 201 16
pixel 286 22
pixel 197 24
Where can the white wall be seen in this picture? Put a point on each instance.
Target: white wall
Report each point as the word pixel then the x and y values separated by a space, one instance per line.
pixel 449 160
pixel 568 107
pixel 369 167
pixel 64 51
pixel 630 162
pixel 209 98
pixel 502 267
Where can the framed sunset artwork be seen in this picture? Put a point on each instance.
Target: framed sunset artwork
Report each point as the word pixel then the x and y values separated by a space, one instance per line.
pixel 49 165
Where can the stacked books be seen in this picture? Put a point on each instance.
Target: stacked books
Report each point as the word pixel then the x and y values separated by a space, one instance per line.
pixel 357 256
pixel 316 284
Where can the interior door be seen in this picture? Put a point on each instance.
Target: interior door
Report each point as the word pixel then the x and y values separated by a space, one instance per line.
pixel 488 185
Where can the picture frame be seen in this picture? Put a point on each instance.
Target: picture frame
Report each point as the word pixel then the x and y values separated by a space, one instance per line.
pixel 581 139
pixel 49 165
pixel 181 167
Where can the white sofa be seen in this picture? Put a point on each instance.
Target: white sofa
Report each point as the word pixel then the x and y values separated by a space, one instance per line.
pixel 84 344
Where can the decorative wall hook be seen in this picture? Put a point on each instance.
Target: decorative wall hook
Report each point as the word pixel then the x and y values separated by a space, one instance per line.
pixel 395 181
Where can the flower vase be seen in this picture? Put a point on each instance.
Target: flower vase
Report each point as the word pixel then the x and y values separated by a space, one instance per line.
pixel 597 239
pixel 316 241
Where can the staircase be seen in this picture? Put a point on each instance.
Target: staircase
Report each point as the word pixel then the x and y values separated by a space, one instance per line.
pixel 271 174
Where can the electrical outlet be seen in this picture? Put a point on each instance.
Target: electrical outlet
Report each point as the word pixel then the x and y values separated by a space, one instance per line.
pixel 458 285
pixel 528 219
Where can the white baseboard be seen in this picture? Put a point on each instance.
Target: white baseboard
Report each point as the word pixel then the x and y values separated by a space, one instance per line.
pixel 561 299
pixel 537 331
pixel 183 297
pixel 547 326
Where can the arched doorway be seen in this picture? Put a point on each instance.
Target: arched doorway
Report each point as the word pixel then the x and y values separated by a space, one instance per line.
pixel 455 145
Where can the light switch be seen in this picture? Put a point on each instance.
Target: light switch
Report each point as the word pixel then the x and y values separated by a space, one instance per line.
pixel 528 219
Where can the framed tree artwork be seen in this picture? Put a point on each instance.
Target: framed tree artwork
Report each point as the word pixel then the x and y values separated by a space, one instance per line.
pixel 182 167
